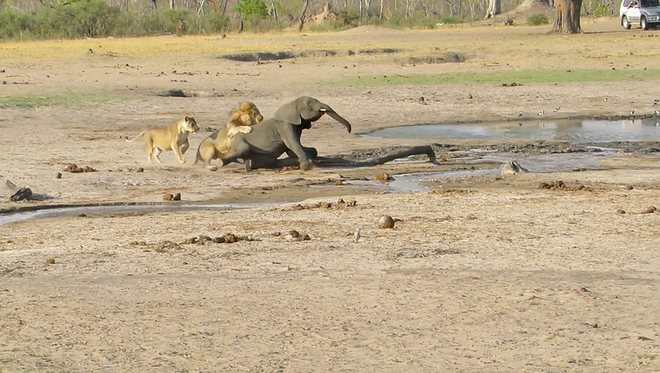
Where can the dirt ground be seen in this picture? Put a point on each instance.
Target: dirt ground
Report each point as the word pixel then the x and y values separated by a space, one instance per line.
pixel 482 273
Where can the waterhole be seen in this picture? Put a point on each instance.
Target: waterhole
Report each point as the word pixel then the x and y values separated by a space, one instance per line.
pixel 97 210
pixel 573 131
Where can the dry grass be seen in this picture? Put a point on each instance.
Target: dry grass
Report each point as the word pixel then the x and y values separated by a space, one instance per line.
pixel 498 45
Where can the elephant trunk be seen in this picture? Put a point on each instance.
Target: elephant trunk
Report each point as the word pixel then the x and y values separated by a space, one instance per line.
pixel 327 109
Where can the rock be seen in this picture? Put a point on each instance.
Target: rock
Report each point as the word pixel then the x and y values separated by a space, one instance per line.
pixel 21 194
pixel 191 240
pixel 620 212
pixel 177 197
pixel 650 210
pixel 168 197
pixel 11 186
pixel 219 240
pixel 229 237
pixel 294 233
pixel 385 222
pixel 629 187
pixel 384 176
pixel 202 239
pixel 59 175
pixel 50 261
pixel 512 168
pixel 543 185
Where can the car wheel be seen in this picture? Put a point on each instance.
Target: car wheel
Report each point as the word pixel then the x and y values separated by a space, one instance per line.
pixel 643 24
pixel 625 23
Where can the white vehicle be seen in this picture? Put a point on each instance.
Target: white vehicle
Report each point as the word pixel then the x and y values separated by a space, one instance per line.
pixel 645 13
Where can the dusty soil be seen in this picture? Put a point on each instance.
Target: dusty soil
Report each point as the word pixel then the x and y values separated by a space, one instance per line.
pixel 483 273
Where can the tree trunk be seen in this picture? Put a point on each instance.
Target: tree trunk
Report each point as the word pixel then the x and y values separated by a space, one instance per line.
pixel 201 7
pixel 380 12
pixel 240 26
pixel 567 16
pixel 360 1
pixel 224 7
pixel 274 9
pixel 494 8
pixel 154 2
pixel 302 15
pixel 172 4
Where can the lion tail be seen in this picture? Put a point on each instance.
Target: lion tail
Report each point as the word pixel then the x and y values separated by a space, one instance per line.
pixel 198 156
pixel 136 137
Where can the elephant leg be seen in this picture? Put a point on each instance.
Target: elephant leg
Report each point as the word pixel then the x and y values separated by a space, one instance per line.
pixel 262 161
pixel 239 149
pixel 309 151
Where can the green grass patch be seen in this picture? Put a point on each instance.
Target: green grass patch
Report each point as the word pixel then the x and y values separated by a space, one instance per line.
pixel 68 100
pixel 519 76
pixel 537 19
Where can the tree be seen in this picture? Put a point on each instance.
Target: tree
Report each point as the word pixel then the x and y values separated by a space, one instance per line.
pixel 302 15
pixel 567 16
pixel 493 8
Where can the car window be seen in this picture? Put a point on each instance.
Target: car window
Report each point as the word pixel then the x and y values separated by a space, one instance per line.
pixel 626 3
pixel 649 3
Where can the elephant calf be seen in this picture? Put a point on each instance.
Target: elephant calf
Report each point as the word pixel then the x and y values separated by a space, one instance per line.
pixel 269 139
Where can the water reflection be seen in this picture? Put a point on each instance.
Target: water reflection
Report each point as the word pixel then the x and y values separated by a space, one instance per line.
pixel 575 131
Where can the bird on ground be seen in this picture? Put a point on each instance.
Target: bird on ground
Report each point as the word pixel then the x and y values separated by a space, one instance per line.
pixel 520 114
pixel 542 112
pixel 557 109
pixel 356 236
pixel 605 99
pixel 657 112
pixel 632 112
pixel 655 101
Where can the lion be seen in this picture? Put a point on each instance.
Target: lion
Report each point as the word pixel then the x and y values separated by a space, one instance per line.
pixel 240 120
pixel 174 137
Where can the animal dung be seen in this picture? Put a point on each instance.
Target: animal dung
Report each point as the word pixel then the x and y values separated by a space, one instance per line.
pixel 297 236
pixel 21 194
pixel 75 169
pixel 385 222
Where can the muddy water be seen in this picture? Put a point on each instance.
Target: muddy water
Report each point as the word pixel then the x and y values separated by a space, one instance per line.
pixel 49 212
pixel 573 131
pixel 413 182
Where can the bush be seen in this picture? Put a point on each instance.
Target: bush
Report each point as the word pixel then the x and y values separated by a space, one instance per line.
pixel 330 25
pixel 537 19
pixel 252 10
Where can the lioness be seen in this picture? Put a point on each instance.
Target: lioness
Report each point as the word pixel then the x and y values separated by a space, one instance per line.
pixel 174 137
pixel 216 145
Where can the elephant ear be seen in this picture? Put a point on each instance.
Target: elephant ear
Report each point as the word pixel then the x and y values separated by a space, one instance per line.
pixel 288 113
